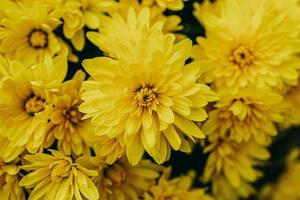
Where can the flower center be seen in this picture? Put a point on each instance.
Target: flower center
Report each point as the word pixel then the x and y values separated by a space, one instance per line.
pixel 74 115
pixel 242 56
pixel 38 39
pixel 34 105
pixel 146 96
pixel 116 173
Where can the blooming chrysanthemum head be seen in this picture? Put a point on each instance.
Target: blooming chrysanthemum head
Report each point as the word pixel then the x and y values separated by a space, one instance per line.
pixel 73 133
pixel 233 165
pixel 250 113
pixel 151 101
pixel 120 180
pixel 177 188
pixel 247 43
pixel 9 181
pixel 26 33
pixel 58 177
pixel 27 102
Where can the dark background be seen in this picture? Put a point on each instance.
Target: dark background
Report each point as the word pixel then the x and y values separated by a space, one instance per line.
pixel 182 162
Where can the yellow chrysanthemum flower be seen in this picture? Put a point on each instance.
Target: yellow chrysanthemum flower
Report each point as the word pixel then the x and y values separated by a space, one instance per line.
pixel 9 181
pixel 247 42
pixel 170 23
pixel 120 180
pixel 58 177
pixel 26 33
pixel 250 113
pixel 166 4
pixel 76 14
pixel 26 102
pixel 230 168
pixel 150 97
pixel 73 133
pixel 287 187
pixel 179 188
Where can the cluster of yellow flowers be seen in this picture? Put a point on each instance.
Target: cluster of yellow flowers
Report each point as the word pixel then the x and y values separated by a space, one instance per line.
pixel 250 56
pixel 151 92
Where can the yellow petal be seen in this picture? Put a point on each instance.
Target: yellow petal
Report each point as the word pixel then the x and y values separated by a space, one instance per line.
pixel 197 115
pixel 173 137
pixel 78 40
pixel 87 187
pixel 34 177
pixel 91 20
pixel 135 152
pixel 239 109
pixel 166 114
pixel 232 176
pixel 11 169
pixel 56 117
pixel 188 127
pixel 149 136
